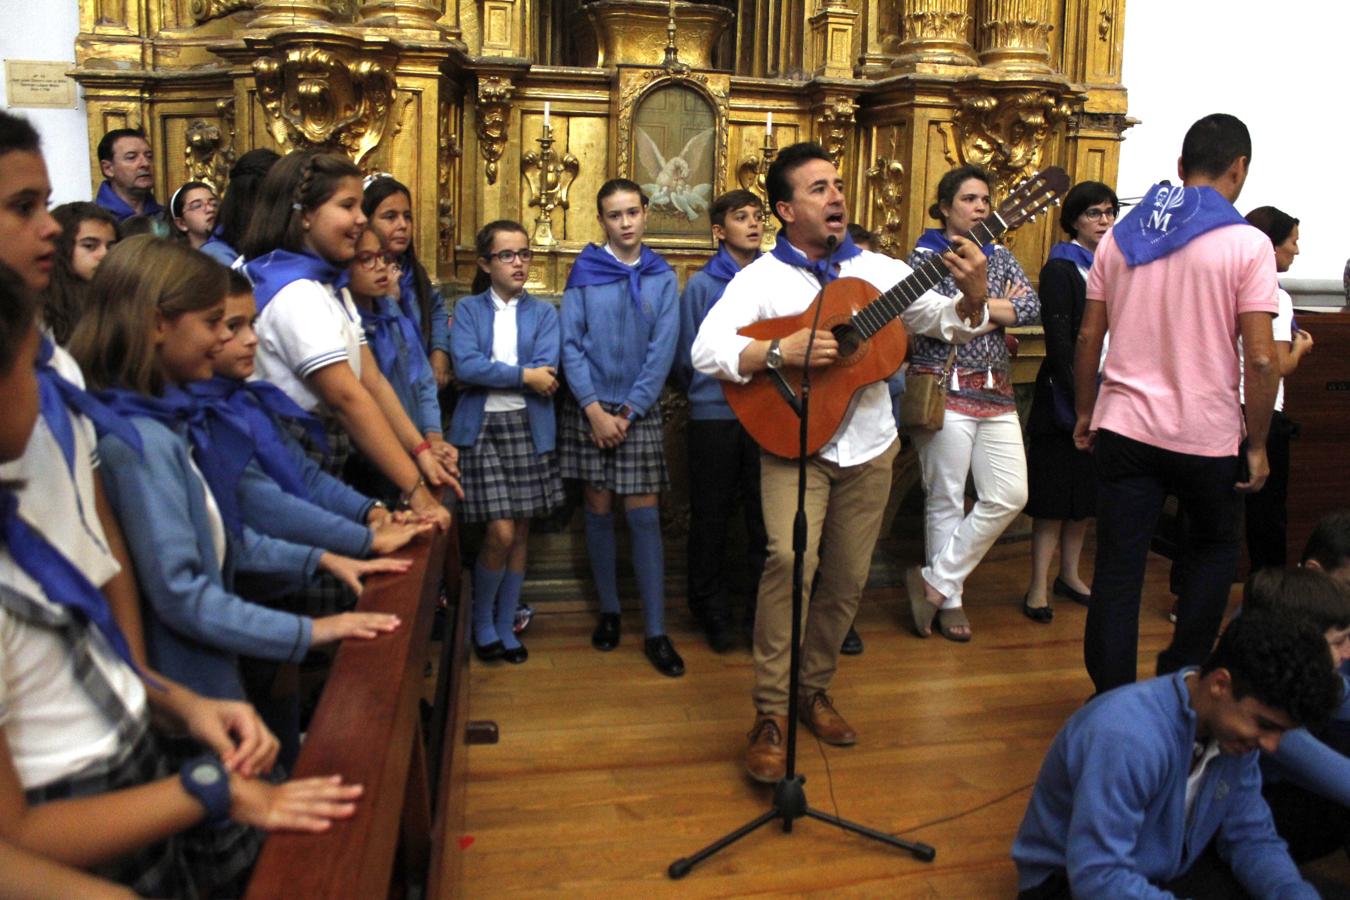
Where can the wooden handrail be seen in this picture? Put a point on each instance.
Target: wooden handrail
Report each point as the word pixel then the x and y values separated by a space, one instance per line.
pixel 367 728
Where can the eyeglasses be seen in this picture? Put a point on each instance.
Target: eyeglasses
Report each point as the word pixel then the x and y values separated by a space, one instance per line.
pixel 509 256
pixel 1093 214
pixel 374 260
pixel 199 205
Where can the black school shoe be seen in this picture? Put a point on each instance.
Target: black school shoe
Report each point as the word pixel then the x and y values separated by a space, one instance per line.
pixel 662 654
pixel 853 645
pixel 516 655
pixel 489 652
pixel 606 634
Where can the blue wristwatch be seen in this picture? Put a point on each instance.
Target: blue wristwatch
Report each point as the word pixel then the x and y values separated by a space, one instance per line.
pixel 628 412
pixel 207 781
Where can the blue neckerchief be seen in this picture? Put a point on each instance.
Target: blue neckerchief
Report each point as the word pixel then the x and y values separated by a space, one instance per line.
pixel 254 407
pixel 273 271
pixel 822 268
pixel 723 265
pixel 380 325
pixel 60 580
pixel 60 398
pixel 1074 252
pixel 408 301
pixel 216 240
pixel 935 239
pixel 222 453
pixel 1169 218
pixel 110 200
pixel 595 266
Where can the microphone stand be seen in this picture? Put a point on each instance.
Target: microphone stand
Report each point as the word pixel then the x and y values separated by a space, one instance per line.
pixel 789 795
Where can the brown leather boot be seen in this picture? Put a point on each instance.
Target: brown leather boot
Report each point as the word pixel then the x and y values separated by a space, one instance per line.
pixel 766 757
pixel 818 714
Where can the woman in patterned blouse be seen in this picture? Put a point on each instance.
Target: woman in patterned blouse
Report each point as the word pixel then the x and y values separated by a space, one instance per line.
pixel 981 434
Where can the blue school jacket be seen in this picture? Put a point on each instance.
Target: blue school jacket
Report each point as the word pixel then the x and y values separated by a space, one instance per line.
pixel 537 344
pixel 416 394
pixel 706 399
pixel 197 628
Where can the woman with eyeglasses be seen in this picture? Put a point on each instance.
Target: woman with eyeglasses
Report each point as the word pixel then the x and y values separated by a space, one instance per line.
pixel 505 346
pixel 1062 492
pixel 193 210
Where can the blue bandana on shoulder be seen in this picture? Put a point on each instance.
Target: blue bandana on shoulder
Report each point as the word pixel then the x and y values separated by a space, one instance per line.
pixel 595 266
pixel 380 323
pixel 1169 218
pixel 822 268
pixel 1074 252
pixel 120 209
pixel 254 407
pixel 222 453
pixel 56 396
pixel 273 271
pixel 723 265
pixel 935 240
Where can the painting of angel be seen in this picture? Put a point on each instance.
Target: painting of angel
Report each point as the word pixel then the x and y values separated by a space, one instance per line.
pixel 675 150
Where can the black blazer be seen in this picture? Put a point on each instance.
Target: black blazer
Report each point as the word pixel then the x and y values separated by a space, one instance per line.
pixel 1063 295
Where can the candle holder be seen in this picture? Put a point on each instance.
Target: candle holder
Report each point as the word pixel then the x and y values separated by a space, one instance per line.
pixel 548 189
pixel 752 173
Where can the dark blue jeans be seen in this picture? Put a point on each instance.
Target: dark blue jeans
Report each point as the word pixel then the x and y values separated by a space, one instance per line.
pixel 1133 479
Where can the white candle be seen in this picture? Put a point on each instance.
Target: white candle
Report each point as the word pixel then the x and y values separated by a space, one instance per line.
pixel 546 109
pixel 769 126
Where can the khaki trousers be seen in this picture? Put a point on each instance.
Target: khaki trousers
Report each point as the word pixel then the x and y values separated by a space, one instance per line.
pixel 843 510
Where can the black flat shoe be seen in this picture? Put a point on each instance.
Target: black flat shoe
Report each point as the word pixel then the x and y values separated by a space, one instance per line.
pixel 853 645
pixel 516 655
pixel 489 652
pixel 1042 614
pixel 662 654
pixel 1060 589
pixel 606 634
pixel 721 636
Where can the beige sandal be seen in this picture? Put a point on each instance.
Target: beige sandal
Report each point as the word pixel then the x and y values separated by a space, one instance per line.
pixel 920 608
pixel 951 619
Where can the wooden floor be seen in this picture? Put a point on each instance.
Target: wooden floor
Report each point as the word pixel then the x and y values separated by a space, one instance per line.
pixel 606 771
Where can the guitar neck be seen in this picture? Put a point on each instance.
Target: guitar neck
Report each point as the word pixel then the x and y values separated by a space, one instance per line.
pixel 926 275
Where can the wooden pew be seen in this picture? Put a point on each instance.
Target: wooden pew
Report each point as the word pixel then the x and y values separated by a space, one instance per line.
pixel 367 727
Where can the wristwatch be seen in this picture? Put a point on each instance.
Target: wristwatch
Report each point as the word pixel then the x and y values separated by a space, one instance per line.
pixel 774 357
pixel 207 781
pixel 627 412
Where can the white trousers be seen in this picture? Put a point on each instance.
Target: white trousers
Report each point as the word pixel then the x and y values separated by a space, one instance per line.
pixel 991 450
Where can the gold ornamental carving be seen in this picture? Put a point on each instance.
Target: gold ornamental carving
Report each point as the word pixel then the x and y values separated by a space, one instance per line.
pixel 208 152
pixel 286 13
pixel 554 176
pixel 447 151
pixel 936 32
pixel 649 81
pixel 833 127
pixel 1016 34
pixel 1007 133
pixel 1104 22
pixel 494 116
pixel 313 97
pixel 205 10
pixel 886 179
pixel 634 32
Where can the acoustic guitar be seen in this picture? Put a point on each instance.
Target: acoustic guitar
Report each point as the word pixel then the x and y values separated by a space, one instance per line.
pixel 872 339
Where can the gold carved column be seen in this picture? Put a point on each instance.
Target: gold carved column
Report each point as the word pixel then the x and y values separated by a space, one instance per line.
pixel 1015 34
pixel 935 33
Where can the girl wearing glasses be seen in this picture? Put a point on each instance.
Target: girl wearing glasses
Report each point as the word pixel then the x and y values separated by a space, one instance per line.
pixel 504 344
pixel 1062 492
pixel 193 209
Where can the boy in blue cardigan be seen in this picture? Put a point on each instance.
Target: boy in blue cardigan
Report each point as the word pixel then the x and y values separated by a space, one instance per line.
pixel 1140 781
pixel 723 458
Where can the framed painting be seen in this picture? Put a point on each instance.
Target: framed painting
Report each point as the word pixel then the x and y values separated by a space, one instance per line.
pixel 675 155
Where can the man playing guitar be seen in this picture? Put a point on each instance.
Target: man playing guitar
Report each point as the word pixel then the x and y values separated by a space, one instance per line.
pixel 849 478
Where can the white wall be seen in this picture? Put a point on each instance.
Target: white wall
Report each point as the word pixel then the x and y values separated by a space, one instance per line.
pixel 1279 68
pixel 45 30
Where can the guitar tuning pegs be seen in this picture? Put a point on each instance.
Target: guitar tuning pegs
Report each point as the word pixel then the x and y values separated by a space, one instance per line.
pixel 1032 219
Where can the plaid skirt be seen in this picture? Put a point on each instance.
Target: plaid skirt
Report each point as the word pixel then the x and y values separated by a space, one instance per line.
pixel 502 475
pixel 161 870
pixel 636 466
pixel 339 443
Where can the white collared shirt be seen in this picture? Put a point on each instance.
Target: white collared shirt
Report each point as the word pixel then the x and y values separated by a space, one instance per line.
pixel 505 343
pixel 769 288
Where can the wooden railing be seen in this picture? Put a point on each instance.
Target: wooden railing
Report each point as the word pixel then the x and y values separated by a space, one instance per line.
pixel 368 728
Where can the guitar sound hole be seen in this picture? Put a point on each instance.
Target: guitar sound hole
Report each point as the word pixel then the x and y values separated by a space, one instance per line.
pixel 848 338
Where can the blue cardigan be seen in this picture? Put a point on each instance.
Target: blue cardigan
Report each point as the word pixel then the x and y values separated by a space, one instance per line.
pixel 706 399
pixel 1110 803
pixel 417 394
pixel 471 351
pixel 613 353
pixel 197 628
pixel 1313 763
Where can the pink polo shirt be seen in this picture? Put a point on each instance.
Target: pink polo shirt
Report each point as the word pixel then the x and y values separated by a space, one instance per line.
pixel 1171 375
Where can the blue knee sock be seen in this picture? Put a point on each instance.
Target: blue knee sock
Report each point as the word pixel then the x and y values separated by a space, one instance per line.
pixel 600 548
pixel 649 565
pixel 508 597
pixel 485 584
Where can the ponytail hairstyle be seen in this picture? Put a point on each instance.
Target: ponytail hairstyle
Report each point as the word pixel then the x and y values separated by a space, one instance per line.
pixel 378 189
pixel 300 182
pixel 141 276
pixel 68 294
pixel 482 245
pixel 241 194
